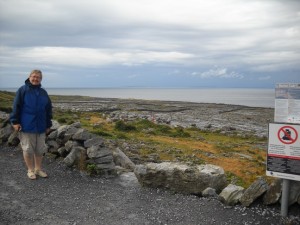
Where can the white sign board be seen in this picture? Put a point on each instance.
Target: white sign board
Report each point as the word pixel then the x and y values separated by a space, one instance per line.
pixel 283 158
pixel 287 103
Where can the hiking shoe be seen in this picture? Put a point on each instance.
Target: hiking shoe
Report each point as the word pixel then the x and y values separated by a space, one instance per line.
pixel 31 175
pixel 40 173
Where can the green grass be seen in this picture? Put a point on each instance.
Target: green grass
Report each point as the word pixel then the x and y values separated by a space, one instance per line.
pixel 65 117
pixel 6 101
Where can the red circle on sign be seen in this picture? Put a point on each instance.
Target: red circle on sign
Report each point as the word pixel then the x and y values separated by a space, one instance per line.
pixel 287 137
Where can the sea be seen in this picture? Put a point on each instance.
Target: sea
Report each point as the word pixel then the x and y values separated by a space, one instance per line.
pixel 254 97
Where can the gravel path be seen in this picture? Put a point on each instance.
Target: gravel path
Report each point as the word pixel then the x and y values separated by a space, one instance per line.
pixel 68 197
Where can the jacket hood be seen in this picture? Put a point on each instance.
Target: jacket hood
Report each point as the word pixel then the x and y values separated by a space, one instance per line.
pixel 27 82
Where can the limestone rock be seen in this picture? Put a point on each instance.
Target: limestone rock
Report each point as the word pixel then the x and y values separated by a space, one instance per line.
pixel 65 132
pixel 231 195
pixel 55 125
pixel 294 193
pixel 13 139
pixel 181 177
pixel 62 130
pixel 122 160
pixel 5 132
pixel 106 166
pixel 106 169
pixel 209 192
pixel 53 146
pixel 62 151
pixel 82 135
pixel 98 152
pixel 76 125
pixel 53 135
pixel 74 156
pixel 273 193
pixel 96 141
pixel 255 190
pixel 103 160
pixel 71 144
pixel 5 122
pixel 70 132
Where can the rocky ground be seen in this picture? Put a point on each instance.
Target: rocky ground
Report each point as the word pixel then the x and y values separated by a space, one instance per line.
pixel 227 118
pixel 69 197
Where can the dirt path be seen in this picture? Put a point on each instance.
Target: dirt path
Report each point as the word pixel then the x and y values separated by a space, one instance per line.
pixel 67 197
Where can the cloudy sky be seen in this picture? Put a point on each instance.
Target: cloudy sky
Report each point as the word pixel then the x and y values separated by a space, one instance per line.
pixel 150 43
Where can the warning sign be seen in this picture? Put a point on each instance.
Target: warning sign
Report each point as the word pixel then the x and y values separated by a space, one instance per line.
pixel 283 158
pixel 287 135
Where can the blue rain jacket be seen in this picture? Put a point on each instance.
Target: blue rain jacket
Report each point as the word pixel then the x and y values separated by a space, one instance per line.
pixel 32 108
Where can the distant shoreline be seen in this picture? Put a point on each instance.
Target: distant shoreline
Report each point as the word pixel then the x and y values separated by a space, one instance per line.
pixel 89 99
pixel 233 96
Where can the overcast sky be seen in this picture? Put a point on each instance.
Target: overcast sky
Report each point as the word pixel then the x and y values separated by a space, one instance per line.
pixel 150 43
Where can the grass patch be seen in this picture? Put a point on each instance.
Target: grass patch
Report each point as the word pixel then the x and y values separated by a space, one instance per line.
pixel 122 126
pixel 92 169
pixel 64 117
pixel 6 101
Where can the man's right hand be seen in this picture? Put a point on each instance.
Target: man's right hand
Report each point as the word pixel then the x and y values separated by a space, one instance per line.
pixel 17 127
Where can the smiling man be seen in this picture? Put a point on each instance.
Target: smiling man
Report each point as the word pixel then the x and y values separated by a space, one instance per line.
pixel 31 116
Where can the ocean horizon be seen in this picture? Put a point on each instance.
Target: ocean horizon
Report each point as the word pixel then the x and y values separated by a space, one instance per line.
pixel 254 97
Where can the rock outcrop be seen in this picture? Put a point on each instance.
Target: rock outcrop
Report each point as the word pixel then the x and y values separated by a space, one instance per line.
pixel 259 187
pixel 181 177
pixel 273 193
pixel 231 195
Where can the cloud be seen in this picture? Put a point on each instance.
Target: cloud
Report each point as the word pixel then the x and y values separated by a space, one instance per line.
pixel 88 57
pixel 111 37
pixel 273 60
pixel 264 78
pixel 218 73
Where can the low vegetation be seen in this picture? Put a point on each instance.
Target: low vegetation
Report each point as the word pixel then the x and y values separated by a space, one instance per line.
pixel 243 158
pixel 6 99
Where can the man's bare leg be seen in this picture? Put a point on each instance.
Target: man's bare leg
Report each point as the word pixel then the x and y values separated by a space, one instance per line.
pixel 38 159
pixel 28 158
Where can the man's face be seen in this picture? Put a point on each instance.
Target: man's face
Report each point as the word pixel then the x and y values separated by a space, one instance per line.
pixel 35 79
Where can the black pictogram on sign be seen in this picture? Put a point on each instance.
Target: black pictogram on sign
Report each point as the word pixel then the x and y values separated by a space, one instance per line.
pixel 287 135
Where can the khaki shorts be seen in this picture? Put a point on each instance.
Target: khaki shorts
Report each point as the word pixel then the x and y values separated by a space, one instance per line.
pixel 32 143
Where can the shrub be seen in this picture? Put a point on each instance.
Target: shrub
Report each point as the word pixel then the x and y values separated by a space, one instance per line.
pixel 179 132
pixel 70 122
pixel 163 129
pixel 92 169
pixel 62 120
pixel 122 126
pixel 6 109
pixel 142 124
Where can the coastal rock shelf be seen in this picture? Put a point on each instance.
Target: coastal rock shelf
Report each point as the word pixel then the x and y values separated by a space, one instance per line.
pixel 225 118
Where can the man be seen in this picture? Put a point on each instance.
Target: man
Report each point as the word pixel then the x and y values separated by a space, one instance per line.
pixel 31 116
